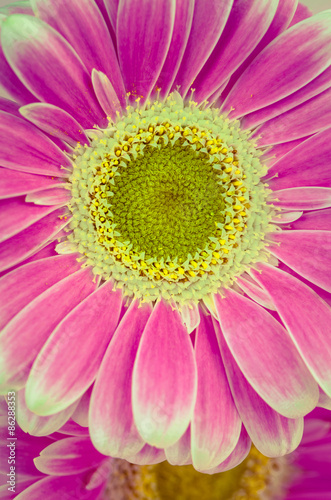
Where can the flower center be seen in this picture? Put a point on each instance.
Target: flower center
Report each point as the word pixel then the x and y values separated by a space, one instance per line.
pixel 256 478
pixel 168 201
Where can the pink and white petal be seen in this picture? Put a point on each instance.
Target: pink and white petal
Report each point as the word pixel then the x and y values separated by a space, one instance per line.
pixel 301 198
pixel 14 183
pixel 80 416
pixel 24 336
pixel 180 452
pixel 19 7
pixel 255 292
pixel 81 23
pixel 47 251
pixel 106 94
pixel 143 40
pixel 279 61
pixel 30 240
pixel 54 487
pixel 112 427
pixel 324 400
pixel 273 153
pixel 111 8
pixel 71 428
pixel 297 168
pixel 12 220
pixel 68 456
pixel 164 382
pixel 73 352
pixel 26 148
pixel 258 342
pixel 55 121
pixel 215 426
pixel 55 196
pixel 49 67
pixel 9 106
pixel 303 120
pixel 190 316
pixel 180 35
pixel 245 27
pixel 272 434
pixel 199 48
pixel 239 454
pixel 306 316
pixel 302 12
pixel 316 220
pixel 36 425
pixel 286 217
pixel 148 455
pixel 306 252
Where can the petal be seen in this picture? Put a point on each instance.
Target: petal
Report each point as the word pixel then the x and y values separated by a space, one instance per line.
pixel 106 94
pixel 81 23
pixel 49 67
pixel 55 121
pixel 198 48
pixel 302 12
pixel 73 352
pixel 272 434
pixel 68 456
pixel 307 252
pixel 306 316
pixel 32 326
pixel 18 215
pixel 255 292
pixel 297 168
pixel 19 7
pixel 40 275
pixel 315 87
pixel 148 455
pixel 272 154
pixel 246 25
pixel 143 39
pixel 32 239
pixel 72 428
pixel 164 379
pixel 39 426
pixel 324 400
pixel 190 316
pixel 80 416
pixel 301 198
pixel 13 183
pixel 317 220
pixel 26 148
pixel 54 488
pixel 301 121
pixel 180 452
pixel 112 428
pixel 216 425
pixel 266 355
pixel 286 217
pixel 280 61
pixel 55 196
pixel 180 35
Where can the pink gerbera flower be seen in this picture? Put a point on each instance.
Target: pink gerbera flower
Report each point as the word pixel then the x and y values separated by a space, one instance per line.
pixel 201 212
pixel 65 464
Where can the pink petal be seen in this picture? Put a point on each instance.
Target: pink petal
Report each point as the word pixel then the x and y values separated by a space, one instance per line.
pixel 26 148
pixel 32 239
pixel 54 488
pixel 246 25
pixel 307 252
pixel 279 61
pixel 13 183
pixel 266 355
pixel 55 196
pixel 112 428
pixel 148 455
pixel 12 221
pixel 55 121
pixel 32 326
pixel 143 39
pixel 297 168
pixel 180 35
pixel 80 416
pixel 272 154
pixel 190 316
pixel 19 7
pixel 272 434
pixel 73 352
pixel 306 316
pixel 239 454
pixel 199 48
pixel 302 12
pixel 303 120
pixel 180 452
pixel 301 198
pixel 71 427
pixel 164 380
pixel 40 276
pixel 106 94
pixel 81 23
pixel 49 67
pixel 317 220
pixel 36 425
pixel 111 8
pixel 216 425
pixel 324 400
pixel 286 217
pixel 255 292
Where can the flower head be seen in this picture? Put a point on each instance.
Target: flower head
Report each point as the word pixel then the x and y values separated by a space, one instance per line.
pixel 165 232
